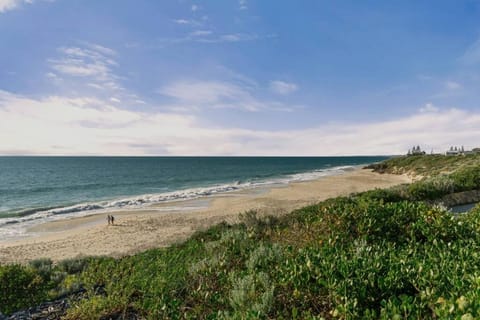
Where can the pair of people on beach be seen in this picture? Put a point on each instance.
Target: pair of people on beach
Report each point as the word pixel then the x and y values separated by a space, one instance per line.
pixel 110 219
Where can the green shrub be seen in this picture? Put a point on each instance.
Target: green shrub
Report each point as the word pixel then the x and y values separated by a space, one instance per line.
pixel 73 266
pixel 43 266
pixel 251 294
pixel 20 287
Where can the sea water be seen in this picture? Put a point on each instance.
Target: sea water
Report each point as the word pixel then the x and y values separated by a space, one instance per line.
pixel 38 189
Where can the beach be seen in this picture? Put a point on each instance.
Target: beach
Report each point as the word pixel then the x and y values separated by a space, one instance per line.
pixel 157 226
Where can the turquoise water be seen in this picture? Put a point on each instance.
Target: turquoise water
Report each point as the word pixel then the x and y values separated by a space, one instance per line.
pixel 39 188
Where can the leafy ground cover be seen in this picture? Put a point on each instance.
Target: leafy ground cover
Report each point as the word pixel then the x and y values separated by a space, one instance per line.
pixel 381 254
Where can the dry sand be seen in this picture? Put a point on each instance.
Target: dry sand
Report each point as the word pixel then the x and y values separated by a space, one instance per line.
pixel 155 226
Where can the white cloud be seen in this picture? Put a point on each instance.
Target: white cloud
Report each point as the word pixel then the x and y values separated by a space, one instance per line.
pixel 54 78
pixel 242 4
pixel 82 125
pixel 452 85
pixel 472 54
pixel 95 85
pixel 282 87
pixel 208 36
pixel 85 62
pixel 201 33
pixel 217 94
pixel 6 5
pixel 236 37
pixel 182 21
pixel 86 66
pixel 429 107
pixel 202 92
pixel 101 49
pixel 194 7
pixel 188 22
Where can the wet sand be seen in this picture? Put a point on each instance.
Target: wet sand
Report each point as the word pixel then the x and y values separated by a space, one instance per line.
pixel 164 224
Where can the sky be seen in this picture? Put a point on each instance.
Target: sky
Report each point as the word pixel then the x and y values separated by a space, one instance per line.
pixel 238 77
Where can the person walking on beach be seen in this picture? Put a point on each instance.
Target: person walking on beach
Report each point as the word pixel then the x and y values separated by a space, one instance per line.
pixel 110 219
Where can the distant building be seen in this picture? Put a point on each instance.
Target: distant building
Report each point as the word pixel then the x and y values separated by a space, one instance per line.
pixel 415 151
pixel 455 151
pixel 452 152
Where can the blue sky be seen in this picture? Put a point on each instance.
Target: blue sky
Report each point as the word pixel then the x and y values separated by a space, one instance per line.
pixel 238 77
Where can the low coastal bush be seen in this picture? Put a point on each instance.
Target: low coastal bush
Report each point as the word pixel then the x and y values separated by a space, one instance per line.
pixel 379 260
pixel 430 188
pixel 372 259
pixel 25 286
pixel 20 287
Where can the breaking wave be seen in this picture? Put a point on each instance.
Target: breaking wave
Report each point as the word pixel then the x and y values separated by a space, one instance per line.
pixel 32 216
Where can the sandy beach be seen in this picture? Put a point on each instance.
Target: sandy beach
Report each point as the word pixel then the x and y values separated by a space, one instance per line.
pixel 157 226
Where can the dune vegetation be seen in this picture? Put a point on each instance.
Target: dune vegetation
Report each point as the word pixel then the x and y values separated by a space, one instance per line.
pixel 388 254
pixel 427 165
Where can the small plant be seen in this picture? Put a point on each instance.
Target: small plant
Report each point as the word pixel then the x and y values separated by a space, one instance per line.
pixel 252 293
pixel 43 266
pixel 73 266
pixel 264 256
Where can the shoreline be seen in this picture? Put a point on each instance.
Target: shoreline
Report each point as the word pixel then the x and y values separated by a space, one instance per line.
pixel 156 226
pixel 146 201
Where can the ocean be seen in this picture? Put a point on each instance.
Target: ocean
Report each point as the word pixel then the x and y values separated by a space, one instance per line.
pixel 38 189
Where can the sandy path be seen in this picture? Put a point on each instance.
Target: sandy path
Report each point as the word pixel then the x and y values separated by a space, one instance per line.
pixel 138 230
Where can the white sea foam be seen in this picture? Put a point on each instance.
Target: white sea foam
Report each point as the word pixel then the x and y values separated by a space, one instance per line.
pixel 15 227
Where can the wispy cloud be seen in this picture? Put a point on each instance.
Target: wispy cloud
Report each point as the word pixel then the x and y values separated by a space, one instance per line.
pixel 235 37
pixel 202 92
pixel 6 5
pixel 282 87
pixel 201 33
pixel 187 22
pixel 210 37
pixel 472 54
pixel 93 63
pixel 92 70
pixel 85 62
pixel 218 94
pixel 429 107
pixel 242 4
pixel 452 85
pixel 447 89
